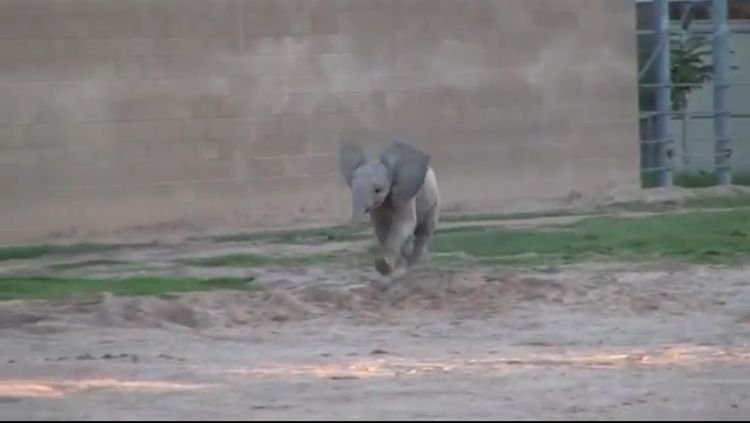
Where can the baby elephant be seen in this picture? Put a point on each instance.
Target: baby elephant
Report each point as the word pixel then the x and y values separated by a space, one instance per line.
pixel 400 193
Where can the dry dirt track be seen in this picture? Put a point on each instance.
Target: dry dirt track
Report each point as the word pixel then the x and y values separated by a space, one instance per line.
pixel 616 342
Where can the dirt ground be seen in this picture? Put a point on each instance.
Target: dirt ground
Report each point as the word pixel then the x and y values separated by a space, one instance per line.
pixel 613 341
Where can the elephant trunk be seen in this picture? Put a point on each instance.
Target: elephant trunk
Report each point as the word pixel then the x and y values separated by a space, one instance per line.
pixel 360 206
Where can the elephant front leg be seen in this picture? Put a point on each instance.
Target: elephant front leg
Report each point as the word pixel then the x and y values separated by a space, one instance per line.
pixel 398 235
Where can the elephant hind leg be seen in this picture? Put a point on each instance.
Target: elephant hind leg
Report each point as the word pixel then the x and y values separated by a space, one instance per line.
pixel 420 244
pixel 422 236
pixel 408 247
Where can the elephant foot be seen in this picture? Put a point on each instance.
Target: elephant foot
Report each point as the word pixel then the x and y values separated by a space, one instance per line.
pixel 408 248
pixel 383 266
pixel 417 257
pixel 387 265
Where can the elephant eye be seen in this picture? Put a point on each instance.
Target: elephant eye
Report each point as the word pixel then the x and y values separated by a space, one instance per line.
pixel 377 190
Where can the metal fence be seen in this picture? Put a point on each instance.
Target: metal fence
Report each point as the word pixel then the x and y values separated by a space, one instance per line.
pixel 657 88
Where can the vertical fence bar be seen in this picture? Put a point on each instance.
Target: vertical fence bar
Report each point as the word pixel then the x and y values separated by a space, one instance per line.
pixel 721 86
pixel 663 100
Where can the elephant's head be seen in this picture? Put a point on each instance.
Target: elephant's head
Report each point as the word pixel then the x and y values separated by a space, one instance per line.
pixel 398 173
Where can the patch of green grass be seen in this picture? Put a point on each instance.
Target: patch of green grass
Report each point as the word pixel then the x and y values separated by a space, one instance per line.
pixel 85 263
pixel 258 260
pixel 353 233
pixel 40 250
pixel 708 202
pixel 695 236
pixel 512 216
pixel 700 237
pixel 47 287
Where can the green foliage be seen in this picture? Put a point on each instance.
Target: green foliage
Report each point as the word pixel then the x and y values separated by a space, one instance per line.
pixel 688 66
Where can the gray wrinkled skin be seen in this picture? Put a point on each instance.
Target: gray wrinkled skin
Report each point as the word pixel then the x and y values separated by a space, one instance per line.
pixel 399 192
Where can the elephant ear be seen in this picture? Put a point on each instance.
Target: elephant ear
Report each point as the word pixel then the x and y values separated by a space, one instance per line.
pixel 407 167
pixel 351 156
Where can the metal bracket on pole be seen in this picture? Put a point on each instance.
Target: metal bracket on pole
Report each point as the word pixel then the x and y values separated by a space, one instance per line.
pixel 663 98
pixel 722 116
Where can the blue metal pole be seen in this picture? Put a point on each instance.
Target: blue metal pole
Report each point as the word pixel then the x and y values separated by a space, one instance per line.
pixel 721 86
pixel 663 100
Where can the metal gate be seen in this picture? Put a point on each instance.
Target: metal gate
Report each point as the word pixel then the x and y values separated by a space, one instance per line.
pixel 665 58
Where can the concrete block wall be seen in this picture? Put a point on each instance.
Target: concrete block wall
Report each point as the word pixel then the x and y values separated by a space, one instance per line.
pixel 121 117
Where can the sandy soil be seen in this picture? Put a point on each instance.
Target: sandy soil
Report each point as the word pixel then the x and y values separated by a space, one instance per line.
pixel 588 342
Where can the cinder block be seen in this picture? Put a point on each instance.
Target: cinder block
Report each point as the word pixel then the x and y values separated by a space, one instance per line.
pixel 312 165
pixel 234 106
pixel 17 156
pixel 15 49
pixel 265 188
pixel 169 131
pixel 323 140
pixel 220 130
pixel 555 20
pixel 103 48
pixel 206 106
pixel 140 47
pixel 180 89
pixel 130 108
pixel 10 136
pixel 291 84
pixel 37 49
pixel 589 142
pixel 617 7
pixel 157 67
pixel 16 27
pixel 255 25
pixel 196 130
pixel 84 69
pixel 271 167
pixel 217 10
pixel 264 65
pixel 314 103
pixel 592 174
pixel 176 46
pixel 300 23
pixel 244 131
pixel 279 137
pixel 208 170
pixel 214 150
pixel 352 103
pixel 129 69
pixel 24 109
pixel 66 48
pixel 300 45
pixel 154 171
pixel 324 20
